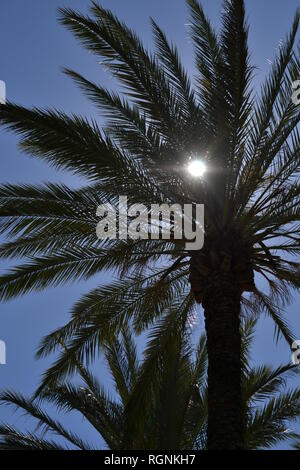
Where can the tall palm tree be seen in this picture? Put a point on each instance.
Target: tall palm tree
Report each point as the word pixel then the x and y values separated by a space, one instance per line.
pixel 250 144
pixel 174 409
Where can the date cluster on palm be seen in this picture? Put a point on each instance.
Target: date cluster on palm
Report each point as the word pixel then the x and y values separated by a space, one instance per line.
pixel 229 254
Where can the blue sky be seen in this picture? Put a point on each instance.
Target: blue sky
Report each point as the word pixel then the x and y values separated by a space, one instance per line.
pixel 34 48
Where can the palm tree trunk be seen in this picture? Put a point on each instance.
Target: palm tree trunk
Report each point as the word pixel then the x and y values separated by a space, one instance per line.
pixel 221 304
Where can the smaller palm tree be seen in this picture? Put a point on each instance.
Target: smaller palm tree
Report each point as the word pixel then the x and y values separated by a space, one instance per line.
pixel 170 387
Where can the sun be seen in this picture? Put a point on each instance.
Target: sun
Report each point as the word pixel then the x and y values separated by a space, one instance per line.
pixel 196 168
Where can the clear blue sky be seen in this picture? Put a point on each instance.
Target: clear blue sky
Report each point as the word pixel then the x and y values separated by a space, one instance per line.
pixel 33 48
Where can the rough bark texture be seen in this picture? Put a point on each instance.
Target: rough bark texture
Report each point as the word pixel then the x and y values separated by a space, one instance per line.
pixel 221 303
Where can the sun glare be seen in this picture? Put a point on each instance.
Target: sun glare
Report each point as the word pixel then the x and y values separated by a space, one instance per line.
pixel 196 168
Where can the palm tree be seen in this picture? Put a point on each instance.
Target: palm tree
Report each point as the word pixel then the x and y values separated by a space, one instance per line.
pixel 250 145
pixel 169 405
